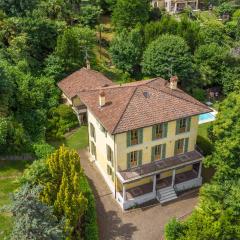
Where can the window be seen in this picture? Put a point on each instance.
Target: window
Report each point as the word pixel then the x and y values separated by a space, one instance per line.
pixel 159 131
pixel 134 159
pixel 181 146
pixel 109 170
pixel 134 137
pixel 93 149
pixel 92 131
pixel 109 154
pixel 183 125
pixel 158 152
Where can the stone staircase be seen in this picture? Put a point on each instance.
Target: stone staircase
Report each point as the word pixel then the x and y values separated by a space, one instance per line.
pixel 166 195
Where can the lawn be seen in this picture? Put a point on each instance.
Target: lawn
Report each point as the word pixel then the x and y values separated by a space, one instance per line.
pixel 76 139
pixel 10 171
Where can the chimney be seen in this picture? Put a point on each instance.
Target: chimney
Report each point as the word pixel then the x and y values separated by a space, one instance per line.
pixel 102 99
pixel 88 64
pixel 173 82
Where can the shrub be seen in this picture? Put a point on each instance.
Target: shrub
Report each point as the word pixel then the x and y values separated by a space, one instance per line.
pixel 173 230
pixel 42 150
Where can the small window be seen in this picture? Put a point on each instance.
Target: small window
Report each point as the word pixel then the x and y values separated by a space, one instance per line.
pixel 179 146
pixel 158 152
pixel 109 170
pixel 134 159
pixel 159 131
pixel 93 149
pixel 109 154
pixel 182 125
pixel 92 131
pixel 134 137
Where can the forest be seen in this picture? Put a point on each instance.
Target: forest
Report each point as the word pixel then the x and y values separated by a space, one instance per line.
pixel 43 41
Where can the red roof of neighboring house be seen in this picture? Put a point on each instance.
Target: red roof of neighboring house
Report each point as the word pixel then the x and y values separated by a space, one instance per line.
pixel 82 80
pixel 141 104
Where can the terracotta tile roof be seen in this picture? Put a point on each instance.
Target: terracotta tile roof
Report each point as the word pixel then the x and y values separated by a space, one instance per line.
pixel 83 79
pixel 141 104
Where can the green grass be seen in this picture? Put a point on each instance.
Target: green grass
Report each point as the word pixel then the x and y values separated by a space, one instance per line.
pixel 77 139
pixel 10 171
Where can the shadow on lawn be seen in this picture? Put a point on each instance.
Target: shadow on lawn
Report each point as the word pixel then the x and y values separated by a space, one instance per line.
pixel 110 224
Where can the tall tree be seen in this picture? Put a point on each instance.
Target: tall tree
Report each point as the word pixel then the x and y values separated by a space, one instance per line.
pixel 63 190
pixel 74 46
pixel 128 13
pixel 127 49
pixel 168 55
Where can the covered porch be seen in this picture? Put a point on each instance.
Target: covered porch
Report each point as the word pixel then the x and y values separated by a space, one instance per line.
pixel 146 188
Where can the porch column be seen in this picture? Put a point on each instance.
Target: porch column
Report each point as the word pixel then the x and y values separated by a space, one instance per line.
pixel 175 7
pixel 124 193
pixel 154 183
pixel 173 177
pixel 200 170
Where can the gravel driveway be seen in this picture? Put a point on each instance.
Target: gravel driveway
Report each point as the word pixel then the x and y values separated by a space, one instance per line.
pixel 145 223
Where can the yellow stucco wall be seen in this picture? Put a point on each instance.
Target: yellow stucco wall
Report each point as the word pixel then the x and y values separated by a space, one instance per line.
pixel 122 149
pixel 102 140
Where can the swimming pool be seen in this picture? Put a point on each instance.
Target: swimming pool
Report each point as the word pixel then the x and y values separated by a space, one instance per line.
pixel 207 117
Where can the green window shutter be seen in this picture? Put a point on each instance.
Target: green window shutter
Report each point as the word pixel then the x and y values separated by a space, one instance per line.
pixel 128 160
pixel 188 124
pixel 140 135
pixel 128 138
pixel 165 129
pixel 140 158
pixel 153 154
pixel 175 148
pixel 164 151
pixel 186 144
pixel 154 132
pixel 177 126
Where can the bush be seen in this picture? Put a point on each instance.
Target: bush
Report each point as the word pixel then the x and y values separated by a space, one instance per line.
pixel 173 230
pixel 42 150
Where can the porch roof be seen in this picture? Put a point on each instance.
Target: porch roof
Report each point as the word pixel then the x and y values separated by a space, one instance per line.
pixel 152 168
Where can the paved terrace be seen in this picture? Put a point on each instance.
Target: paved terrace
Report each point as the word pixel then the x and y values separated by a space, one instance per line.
pixel 161 165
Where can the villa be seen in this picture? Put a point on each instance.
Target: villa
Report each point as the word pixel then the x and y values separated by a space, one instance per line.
pixel 142 136
pixel 175 6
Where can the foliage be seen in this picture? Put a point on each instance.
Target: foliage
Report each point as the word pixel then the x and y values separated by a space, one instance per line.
pixel 128 13
pixel 219 201
pixel 173 230
pixel 226 137
pixel 225 8
pixel 168 55
pixel 126 50
pixel 42 149
pixel 61 119
pixel 73 46
pixel 32 219
pixel 63 190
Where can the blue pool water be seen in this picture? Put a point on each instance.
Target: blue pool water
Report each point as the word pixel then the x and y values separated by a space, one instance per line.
pixel 206 117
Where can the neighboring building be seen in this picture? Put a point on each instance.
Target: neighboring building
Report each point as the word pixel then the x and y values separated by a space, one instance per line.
pixel 142 137
pixel 175 6
pixel 83 80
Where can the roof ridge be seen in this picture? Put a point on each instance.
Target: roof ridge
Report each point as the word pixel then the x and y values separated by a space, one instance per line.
pixel 178 96
pixel 124 110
